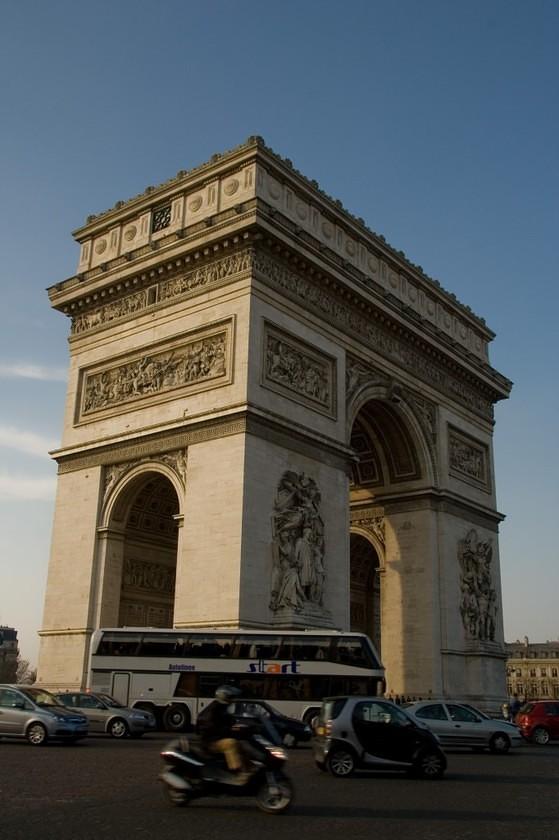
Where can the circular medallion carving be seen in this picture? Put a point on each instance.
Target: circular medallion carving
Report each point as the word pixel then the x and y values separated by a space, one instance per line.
pixel 463 331
pixel 350 247
pixel 231 187
pixel 195 204
pixel 101 246
pixel 130 233
pixel 431 306
pixel 274 188
pixel 394 280
pixel 327 230
pixel 372 262
pixel 301 211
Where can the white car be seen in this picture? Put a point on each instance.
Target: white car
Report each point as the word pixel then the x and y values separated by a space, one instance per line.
pixel 461 726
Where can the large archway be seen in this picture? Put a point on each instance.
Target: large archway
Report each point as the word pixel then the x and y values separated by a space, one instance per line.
pixel 392 466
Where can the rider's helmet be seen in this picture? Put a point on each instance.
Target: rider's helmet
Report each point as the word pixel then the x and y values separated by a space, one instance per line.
pixel 226 694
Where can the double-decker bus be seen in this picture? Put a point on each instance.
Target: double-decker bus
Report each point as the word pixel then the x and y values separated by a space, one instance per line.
pixel 174 673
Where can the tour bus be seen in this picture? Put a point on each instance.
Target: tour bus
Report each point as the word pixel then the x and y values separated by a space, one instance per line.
pixel 174 673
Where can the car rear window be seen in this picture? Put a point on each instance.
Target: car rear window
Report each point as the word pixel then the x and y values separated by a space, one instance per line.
pixel 331 708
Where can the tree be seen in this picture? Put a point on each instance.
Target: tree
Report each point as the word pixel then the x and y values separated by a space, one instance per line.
pixel 24 672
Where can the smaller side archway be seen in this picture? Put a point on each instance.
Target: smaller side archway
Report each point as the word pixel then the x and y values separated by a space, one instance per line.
pixel 138 546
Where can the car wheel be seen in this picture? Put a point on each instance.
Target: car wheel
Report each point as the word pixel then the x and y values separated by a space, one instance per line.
pixel 540 735
pixel 118 728
pixel 499 743
pixel 176 718
pixel 311 718
pixel 429 765
pixel 341 763
pixel 37 734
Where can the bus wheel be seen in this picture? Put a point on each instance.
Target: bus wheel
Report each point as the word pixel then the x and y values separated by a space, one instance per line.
pixel 176 718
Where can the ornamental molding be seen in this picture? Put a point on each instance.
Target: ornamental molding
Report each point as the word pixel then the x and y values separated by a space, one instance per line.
pixel 299 371
pixel 153 577
pixel 150 450
pixel 113 473
pixel 371 520
pixel 468 459
pixel 395 344
pixel 161 291
pixel 170 370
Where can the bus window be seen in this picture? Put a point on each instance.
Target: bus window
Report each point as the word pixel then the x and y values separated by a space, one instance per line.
pixel 210 647
pixel 160 644
pixel 353 651
pixel 187 685
pixel 255 647
pixel 306 648
pixel 119 644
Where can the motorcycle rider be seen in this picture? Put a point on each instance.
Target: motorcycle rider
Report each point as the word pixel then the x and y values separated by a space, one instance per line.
pixel 215 725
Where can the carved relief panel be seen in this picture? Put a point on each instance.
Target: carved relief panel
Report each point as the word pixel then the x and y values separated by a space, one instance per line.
pixel 468 459
pixel 293 368
pixel 200 361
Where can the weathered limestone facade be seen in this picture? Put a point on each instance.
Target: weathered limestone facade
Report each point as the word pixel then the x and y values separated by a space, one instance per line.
pixel 273 419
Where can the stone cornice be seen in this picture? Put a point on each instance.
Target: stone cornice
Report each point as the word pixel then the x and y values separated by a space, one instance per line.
pixel 444 502
pixel 267 167
pixel 248 419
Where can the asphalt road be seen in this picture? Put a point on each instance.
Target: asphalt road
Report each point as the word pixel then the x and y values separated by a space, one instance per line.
pixel 108 789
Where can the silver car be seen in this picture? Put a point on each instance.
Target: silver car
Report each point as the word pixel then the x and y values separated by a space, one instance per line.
pixel 36 714
pixel 105 714
pixel 460 725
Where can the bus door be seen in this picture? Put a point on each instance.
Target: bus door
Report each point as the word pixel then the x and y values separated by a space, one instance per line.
pixel 120 688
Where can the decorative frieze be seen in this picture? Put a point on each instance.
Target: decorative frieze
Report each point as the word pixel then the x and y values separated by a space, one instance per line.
pixel 183 285
pixel 295 369
pixel 154 577
pixel 478 603
pixel 202 361
pixel 468 459
pixel 333 308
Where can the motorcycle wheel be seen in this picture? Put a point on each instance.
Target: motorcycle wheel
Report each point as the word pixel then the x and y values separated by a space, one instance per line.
pixel 179 798
pixel 273 799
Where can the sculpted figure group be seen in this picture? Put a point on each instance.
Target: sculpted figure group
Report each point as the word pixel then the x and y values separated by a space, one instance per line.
pixel 298 572
pixel 202 359
pixel 478 605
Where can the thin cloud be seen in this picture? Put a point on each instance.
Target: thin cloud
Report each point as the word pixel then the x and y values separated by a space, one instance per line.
pixel 27 442
pixel 21 370
pixel 20 488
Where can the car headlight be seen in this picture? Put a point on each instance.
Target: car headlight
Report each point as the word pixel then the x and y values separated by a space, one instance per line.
pixel 60 718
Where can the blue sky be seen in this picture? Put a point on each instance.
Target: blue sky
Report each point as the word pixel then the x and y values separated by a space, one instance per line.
pixel 435 121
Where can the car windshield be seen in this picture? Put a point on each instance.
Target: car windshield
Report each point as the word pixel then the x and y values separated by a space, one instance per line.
pixel 41 697
pixel 110 701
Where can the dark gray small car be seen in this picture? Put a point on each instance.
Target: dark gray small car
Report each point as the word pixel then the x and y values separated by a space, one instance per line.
pixel 373 733
pixel 105 714
pixel 36 714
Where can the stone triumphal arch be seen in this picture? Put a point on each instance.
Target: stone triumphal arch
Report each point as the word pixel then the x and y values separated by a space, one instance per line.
pixel 273 419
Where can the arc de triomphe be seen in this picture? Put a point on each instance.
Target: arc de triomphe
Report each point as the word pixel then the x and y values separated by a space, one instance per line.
pixel 273 418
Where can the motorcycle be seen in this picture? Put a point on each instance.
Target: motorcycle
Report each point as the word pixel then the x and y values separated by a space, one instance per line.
pixel 190 772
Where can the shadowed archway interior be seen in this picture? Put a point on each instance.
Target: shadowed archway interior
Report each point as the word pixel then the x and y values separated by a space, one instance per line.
pixel 150 556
